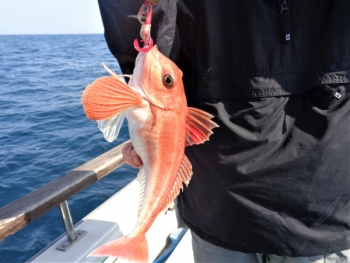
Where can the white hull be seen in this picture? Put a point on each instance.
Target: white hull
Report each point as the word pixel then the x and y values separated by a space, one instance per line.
pixel 114 218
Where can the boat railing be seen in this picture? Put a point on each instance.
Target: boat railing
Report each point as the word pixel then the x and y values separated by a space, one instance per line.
pixel 19 213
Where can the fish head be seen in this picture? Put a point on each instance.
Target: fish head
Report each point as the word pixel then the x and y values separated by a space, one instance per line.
pixel 158 80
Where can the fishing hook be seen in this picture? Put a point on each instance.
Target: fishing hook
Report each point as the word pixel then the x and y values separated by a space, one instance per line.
pixel 145 17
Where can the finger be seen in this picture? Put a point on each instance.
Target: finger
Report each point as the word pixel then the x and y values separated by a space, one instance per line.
pixel 136 161
pixel 130 156
pixel 126 152
pixel 126 149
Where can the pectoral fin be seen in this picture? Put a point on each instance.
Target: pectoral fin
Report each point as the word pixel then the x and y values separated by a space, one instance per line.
pixel 111 127
pixel 107 97
pixel 199 126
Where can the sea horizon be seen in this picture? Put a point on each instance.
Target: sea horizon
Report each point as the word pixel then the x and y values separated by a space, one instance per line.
pixel 49 34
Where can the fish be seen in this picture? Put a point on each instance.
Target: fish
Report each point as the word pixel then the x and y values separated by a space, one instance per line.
pixel 160 127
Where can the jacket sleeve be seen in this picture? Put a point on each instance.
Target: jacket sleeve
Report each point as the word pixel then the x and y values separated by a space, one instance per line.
pixel 121 26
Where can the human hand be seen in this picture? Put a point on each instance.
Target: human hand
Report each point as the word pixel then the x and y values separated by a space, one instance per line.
pixel 130 156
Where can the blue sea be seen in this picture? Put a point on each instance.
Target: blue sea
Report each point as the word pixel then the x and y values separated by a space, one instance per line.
pixel 44 132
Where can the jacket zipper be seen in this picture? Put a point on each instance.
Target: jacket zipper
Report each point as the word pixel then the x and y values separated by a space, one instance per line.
pixel 286 23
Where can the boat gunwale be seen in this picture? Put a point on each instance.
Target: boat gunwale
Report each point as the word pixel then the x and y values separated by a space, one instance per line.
pixel 19 213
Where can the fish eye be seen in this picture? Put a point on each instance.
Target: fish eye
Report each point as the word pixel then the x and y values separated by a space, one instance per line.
pixel 168 80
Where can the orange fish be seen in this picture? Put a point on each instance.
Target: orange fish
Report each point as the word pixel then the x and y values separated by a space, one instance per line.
pixel 160 126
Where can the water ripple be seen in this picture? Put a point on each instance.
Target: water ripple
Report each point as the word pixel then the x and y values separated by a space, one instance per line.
pixel 44 132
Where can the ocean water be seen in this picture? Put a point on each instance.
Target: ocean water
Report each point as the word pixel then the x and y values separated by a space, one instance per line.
pixel 44 132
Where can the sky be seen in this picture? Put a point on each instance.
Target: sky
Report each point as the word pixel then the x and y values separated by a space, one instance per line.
pixel 50 17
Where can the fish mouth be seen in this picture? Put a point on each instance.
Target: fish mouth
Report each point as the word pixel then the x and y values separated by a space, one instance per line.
pixel 136 79
pixel 152 101
pixel 143 94
pixel 155 103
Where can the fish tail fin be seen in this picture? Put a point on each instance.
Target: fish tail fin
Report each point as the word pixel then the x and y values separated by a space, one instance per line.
pixel 107 97
pixel 132 248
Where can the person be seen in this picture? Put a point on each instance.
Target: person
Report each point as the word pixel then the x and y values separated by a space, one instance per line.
pixel 273 182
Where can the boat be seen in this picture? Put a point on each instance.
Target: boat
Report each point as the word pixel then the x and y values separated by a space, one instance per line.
pixel 168 238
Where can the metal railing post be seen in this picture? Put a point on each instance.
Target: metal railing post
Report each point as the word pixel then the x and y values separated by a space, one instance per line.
pixel 72 236
pixel 68 222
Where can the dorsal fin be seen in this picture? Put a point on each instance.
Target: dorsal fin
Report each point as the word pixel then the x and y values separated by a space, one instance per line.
pixel 112 72
pixel 199 126
pixel 107 97
pixel 115 74
pixel 184 176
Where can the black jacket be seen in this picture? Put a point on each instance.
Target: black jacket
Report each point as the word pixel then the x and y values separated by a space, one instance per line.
pixel 275 177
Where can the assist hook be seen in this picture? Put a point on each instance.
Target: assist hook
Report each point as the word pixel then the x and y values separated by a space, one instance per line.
pixel 145 17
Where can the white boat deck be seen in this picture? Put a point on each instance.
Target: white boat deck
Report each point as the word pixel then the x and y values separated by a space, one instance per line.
pixel 114 218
